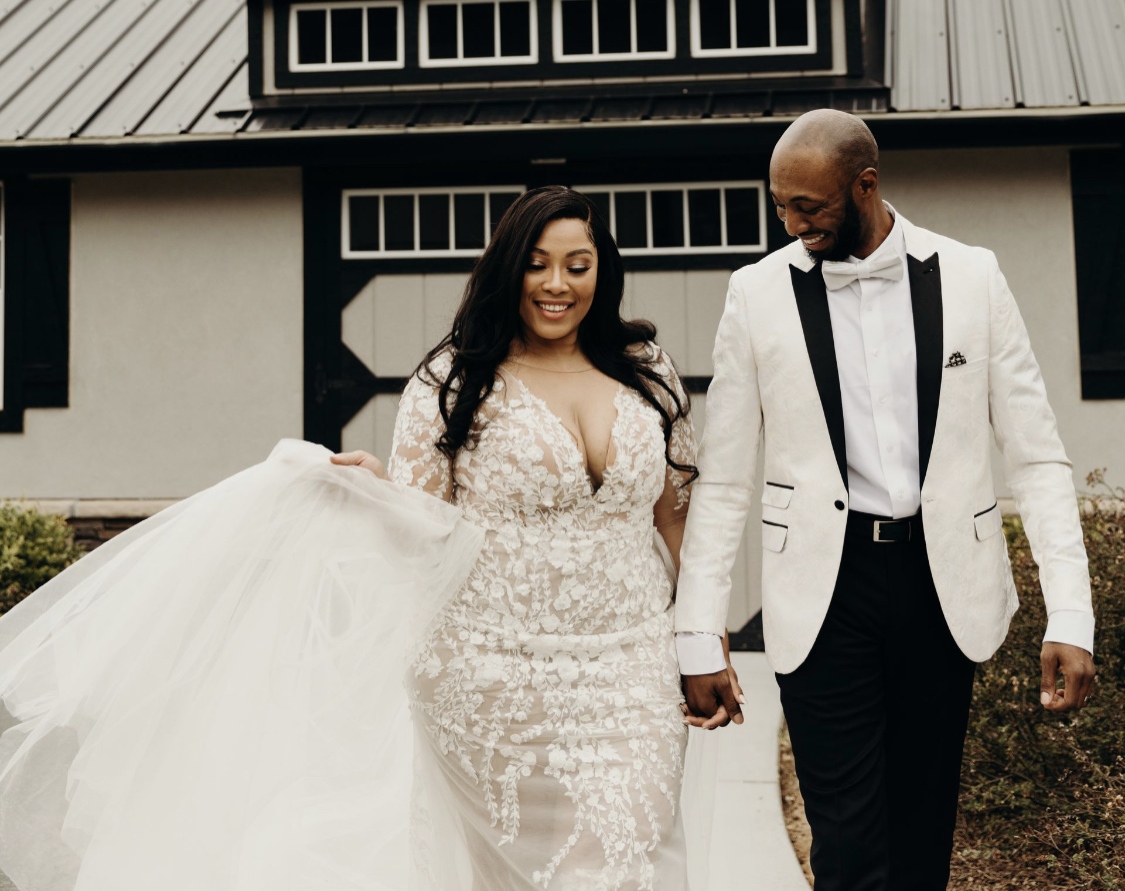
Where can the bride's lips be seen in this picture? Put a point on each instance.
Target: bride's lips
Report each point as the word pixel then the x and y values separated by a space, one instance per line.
pixel 553 310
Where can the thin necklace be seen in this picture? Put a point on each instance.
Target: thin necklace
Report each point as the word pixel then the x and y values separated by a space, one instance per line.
pixel 552 370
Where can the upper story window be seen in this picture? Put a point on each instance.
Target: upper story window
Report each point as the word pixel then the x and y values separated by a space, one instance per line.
pixel 752 27
pixel 433 222
pixel 478 32
pixel 605 30
pixel 684 218
pixel 351 35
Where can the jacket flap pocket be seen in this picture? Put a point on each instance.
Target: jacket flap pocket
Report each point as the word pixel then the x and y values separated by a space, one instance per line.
pixel 988 522
pixel 776 496
pixel 773 536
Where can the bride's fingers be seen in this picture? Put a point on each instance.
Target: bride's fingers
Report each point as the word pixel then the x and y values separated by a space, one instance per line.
pixel 719 719
pixel 735 685
pixel 348 458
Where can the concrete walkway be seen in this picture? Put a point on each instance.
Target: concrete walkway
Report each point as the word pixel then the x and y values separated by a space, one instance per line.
pixel 750 849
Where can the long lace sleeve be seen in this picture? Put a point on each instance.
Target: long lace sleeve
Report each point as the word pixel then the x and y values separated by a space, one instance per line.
pixel 415 458
pixel 671 508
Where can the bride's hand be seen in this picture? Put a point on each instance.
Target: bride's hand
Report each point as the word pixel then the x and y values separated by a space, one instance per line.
pixel 362 459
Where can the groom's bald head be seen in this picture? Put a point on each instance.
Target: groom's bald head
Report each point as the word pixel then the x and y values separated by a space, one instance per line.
pixel 842 140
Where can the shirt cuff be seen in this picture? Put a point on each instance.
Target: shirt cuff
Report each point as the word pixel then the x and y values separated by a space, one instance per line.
pixel 700 652
pixel 1071 626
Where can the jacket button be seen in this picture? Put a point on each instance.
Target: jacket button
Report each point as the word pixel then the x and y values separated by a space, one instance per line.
pixel 839 505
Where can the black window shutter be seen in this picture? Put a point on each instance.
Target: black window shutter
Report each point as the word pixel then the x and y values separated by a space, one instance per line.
pixel 1098 186
pixel 37 298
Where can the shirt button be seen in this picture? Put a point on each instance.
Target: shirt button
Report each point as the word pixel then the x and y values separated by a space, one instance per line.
pixel 882 400
pixel 869 307
pixel 890 450
pixel 901 493
pixel 875 353
pixel 839 505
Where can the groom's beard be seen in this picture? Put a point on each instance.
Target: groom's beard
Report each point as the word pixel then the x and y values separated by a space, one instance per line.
pixel 847 238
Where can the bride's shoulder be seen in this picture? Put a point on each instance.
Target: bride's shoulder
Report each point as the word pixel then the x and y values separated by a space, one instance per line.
pixel 657 358
pixel 435 368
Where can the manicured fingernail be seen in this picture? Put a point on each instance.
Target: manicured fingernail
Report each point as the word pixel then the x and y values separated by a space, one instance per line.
pixel 741 698
pixel 1045 698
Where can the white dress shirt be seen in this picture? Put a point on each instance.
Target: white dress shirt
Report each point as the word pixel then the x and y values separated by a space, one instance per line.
pixel 873 334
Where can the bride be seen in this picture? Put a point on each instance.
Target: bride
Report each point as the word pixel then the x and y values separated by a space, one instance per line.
pixel 212 699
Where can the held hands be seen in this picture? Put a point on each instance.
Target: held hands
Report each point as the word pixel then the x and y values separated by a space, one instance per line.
pixel 1077 667
pixel 361 459
pixel 713 700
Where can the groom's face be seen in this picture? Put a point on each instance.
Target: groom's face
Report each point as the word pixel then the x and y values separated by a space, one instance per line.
pixel 815 204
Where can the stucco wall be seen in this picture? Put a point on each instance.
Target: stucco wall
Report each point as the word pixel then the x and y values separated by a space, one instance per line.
pixel 185 344
pixel 1017 203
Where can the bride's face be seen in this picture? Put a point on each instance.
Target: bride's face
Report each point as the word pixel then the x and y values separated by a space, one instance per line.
pixel 559 282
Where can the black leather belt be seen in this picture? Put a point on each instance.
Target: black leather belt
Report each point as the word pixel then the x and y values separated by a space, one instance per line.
pixel 884 530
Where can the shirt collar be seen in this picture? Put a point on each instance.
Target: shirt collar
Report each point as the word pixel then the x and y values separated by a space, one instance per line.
pixel 894 242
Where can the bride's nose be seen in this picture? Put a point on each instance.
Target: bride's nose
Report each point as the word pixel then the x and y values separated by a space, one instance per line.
pixel 555 283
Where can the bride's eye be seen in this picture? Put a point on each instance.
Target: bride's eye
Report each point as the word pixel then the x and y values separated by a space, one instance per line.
pixel 578 270
pixel 536 266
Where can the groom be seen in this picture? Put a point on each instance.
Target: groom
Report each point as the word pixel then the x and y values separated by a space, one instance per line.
pixel 875 356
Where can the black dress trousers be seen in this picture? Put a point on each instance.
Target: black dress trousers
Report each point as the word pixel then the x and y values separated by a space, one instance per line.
pixel 877 715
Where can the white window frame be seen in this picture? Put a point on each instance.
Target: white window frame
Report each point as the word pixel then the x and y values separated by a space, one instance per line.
pixel 424 60
pixel 595 56
pixel 735 51
pixel 347 253
pixel 294 55
pixel 684 188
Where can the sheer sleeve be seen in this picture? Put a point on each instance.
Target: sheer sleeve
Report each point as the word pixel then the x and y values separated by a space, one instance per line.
pixel 415 458
pixel 671 508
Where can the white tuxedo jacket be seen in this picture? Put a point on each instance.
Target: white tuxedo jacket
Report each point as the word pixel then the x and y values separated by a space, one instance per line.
pixel 776 374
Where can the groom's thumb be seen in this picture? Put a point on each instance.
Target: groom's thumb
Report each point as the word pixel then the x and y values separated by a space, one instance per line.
pixel 1047 684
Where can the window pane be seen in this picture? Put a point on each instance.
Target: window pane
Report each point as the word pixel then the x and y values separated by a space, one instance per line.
pixel 792 22
pixel 632 225
pixel 515 29
pixel 478 23
pixel 577 27
pixel 613 26
pixel 742 216
pixel 347 35
pixel 652 26
pixel 312 32
pixel 753 17
pixel 442 21
pixel 363 216
pixel 382 34
pixel 398 216
pixel 498 203
pixel 714 24
pixel 668 219
pixel 468 221
pixel 601 202
pixel 703 217
pixel 433 222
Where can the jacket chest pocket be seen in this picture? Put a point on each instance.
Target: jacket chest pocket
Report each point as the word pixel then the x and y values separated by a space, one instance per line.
pixel 777 495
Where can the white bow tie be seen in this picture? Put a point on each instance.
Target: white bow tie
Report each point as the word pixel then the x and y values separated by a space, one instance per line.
pixel 839 273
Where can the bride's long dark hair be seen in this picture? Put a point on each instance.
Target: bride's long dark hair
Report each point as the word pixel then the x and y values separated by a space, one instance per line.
pixel 488 321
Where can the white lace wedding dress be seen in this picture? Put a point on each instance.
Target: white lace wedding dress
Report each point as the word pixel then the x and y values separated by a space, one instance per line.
pixel 215 699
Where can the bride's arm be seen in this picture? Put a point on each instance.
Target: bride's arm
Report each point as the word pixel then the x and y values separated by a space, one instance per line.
pixel 670 511
pixel 415 458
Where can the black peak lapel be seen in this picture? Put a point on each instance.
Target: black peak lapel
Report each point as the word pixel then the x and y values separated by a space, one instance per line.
pixel 925 299
pixel 812 304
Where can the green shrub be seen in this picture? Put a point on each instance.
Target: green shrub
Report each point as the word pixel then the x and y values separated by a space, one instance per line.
pixel 1043 796
pixel 34 548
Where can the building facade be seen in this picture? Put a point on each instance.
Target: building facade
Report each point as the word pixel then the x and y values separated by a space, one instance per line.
pixel 230 221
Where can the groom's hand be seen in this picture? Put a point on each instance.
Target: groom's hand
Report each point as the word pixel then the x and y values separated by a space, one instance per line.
pixel 1076 666
pixel 711 700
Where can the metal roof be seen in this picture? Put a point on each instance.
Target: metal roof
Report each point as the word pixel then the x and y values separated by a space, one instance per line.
pixel 945 55
pixel 91 70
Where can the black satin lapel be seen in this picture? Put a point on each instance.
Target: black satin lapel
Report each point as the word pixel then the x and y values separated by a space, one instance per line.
pixel 812 304
pixel 925 299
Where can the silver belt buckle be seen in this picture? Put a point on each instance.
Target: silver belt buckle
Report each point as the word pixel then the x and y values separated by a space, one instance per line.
pixel 878 524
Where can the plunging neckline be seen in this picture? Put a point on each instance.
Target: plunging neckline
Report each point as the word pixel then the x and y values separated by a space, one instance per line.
pixel 595 486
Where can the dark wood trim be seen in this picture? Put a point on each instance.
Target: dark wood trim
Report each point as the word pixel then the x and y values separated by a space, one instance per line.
pixel 702 142
pixel 546 68
pixel 854 37
pixel 36 297
pixel 255 58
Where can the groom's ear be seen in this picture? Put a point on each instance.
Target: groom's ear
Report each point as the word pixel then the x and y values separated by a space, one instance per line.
pixel 866 185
